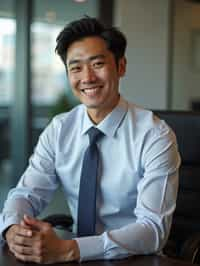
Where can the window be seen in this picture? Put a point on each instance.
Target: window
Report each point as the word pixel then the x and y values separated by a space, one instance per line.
pixel 48 72
pixel 7 60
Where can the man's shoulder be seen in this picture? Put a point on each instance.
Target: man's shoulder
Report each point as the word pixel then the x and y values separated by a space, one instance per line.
pixel 140 114
pixel 69 116
pixel 66 121
pixel 146 119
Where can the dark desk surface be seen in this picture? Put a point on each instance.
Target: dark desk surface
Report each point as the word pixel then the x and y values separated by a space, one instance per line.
pixel 7 259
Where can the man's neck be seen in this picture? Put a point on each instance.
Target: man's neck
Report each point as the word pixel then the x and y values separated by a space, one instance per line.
pixel 97 115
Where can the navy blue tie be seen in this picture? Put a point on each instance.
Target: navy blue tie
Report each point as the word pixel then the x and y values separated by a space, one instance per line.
pixel 87 190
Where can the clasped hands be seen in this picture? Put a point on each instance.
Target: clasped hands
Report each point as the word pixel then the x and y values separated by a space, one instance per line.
pixel 35 241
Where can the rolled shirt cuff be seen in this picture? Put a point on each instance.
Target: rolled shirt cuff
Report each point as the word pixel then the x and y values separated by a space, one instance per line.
pixel 100 247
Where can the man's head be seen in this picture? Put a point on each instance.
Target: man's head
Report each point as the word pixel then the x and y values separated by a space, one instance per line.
pixel 95 62
pixel 88 27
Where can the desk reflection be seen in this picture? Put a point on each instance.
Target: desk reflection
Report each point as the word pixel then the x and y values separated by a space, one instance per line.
pixel 7 259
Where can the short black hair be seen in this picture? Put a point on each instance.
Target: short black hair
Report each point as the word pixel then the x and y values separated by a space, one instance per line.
pixel 89 27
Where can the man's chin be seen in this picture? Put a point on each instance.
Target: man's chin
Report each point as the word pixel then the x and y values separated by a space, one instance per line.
pixel 91 106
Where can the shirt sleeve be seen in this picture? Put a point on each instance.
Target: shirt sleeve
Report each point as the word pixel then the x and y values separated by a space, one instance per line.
pixel 156 202
pixel 36 187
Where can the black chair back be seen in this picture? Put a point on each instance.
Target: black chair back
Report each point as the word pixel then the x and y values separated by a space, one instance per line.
pixel 186 220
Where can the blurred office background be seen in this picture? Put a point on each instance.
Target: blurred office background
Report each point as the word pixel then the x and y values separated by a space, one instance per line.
pixel 163 66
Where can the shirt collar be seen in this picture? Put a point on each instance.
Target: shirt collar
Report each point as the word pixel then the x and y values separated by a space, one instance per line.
pixel 110 123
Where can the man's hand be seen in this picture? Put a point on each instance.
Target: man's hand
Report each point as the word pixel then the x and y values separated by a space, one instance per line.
pixel 36 241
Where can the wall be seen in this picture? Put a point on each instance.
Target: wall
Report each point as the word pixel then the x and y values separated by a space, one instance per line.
pixel 64 10
pixel 146 25
pixel 186 76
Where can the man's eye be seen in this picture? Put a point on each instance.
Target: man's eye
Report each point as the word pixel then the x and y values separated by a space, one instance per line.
pixel 75 69
pixel 98 64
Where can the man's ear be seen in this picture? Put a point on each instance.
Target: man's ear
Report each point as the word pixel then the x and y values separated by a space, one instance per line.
pixel 122 66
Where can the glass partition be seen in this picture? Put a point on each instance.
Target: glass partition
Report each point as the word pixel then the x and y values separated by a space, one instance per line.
pixel 7 71
pixel 7 60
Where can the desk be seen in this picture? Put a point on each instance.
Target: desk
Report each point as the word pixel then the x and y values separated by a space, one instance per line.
pixel 7 259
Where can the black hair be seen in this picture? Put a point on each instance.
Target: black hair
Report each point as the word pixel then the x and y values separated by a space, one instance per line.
pixel 89 27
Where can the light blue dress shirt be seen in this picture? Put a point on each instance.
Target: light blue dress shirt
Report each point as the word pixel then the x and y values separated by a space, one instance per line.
pixel 137 183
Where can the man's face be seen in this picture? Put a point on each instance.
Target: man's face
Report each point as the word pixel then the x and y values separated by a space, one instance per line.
pixel 94 75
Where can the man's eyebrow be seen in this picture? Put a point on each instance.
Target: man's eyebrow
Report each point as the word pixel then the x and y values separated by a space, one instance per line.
pixel 73 61
pixel 91 58
pixel 96 57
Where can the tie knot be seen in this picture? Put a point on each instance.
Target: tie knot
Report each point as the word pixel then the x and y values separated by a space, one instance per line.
pixel 94 134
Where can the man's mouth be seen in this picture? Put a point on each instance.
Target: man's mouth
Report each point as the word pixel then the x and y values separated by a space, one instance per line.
pixel 91 91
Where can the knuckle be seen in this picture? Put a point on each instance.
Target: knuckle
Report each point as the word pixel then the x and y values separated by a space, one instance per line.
pixel 39 252
pixel 24 232
pixel 21 241
pixel 39 245
pixel 40 240
pixel 14 228
pixel 21 249
pixel 41 237
pixel 40 259
pixel 47 227
pixel 14 238
pixel 17 248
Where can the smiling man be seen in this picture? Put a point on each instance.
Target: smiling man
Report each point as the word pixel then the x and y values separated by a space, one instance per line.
pixel 136 160
pixel 94 75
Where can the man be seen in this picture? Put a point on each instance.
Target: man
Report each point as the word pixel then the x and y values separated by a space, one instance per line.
pixel 138 174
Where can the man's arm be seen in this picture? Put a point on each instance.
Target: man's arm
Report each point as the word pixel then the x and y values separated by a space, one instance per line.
pixel 156 201
pixel 37 185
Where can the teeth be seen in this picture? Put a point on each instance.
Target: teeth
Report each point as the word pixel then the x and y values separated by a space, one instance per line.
pixel 90 91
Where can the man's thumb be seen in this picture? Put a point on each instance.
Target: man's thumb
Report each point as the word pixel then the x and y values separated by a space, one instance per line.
pixel 32 222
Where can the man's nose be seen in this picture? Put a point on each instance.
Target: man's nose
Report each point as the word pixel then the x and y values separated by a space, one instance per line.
pixel 89 75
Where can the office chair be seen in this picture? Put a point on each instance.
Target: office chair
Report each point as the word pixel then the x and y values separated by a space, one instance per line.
pixel 184 238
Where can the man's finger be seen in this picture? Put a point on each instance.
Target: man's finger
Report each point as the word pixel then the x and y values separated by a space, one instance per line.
pixel 23 250
pixel 34 223
pixel 15 230
pixel 25 241
pixel 22 223
pixel 20 230
pixel 28 258
pixel 24 232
